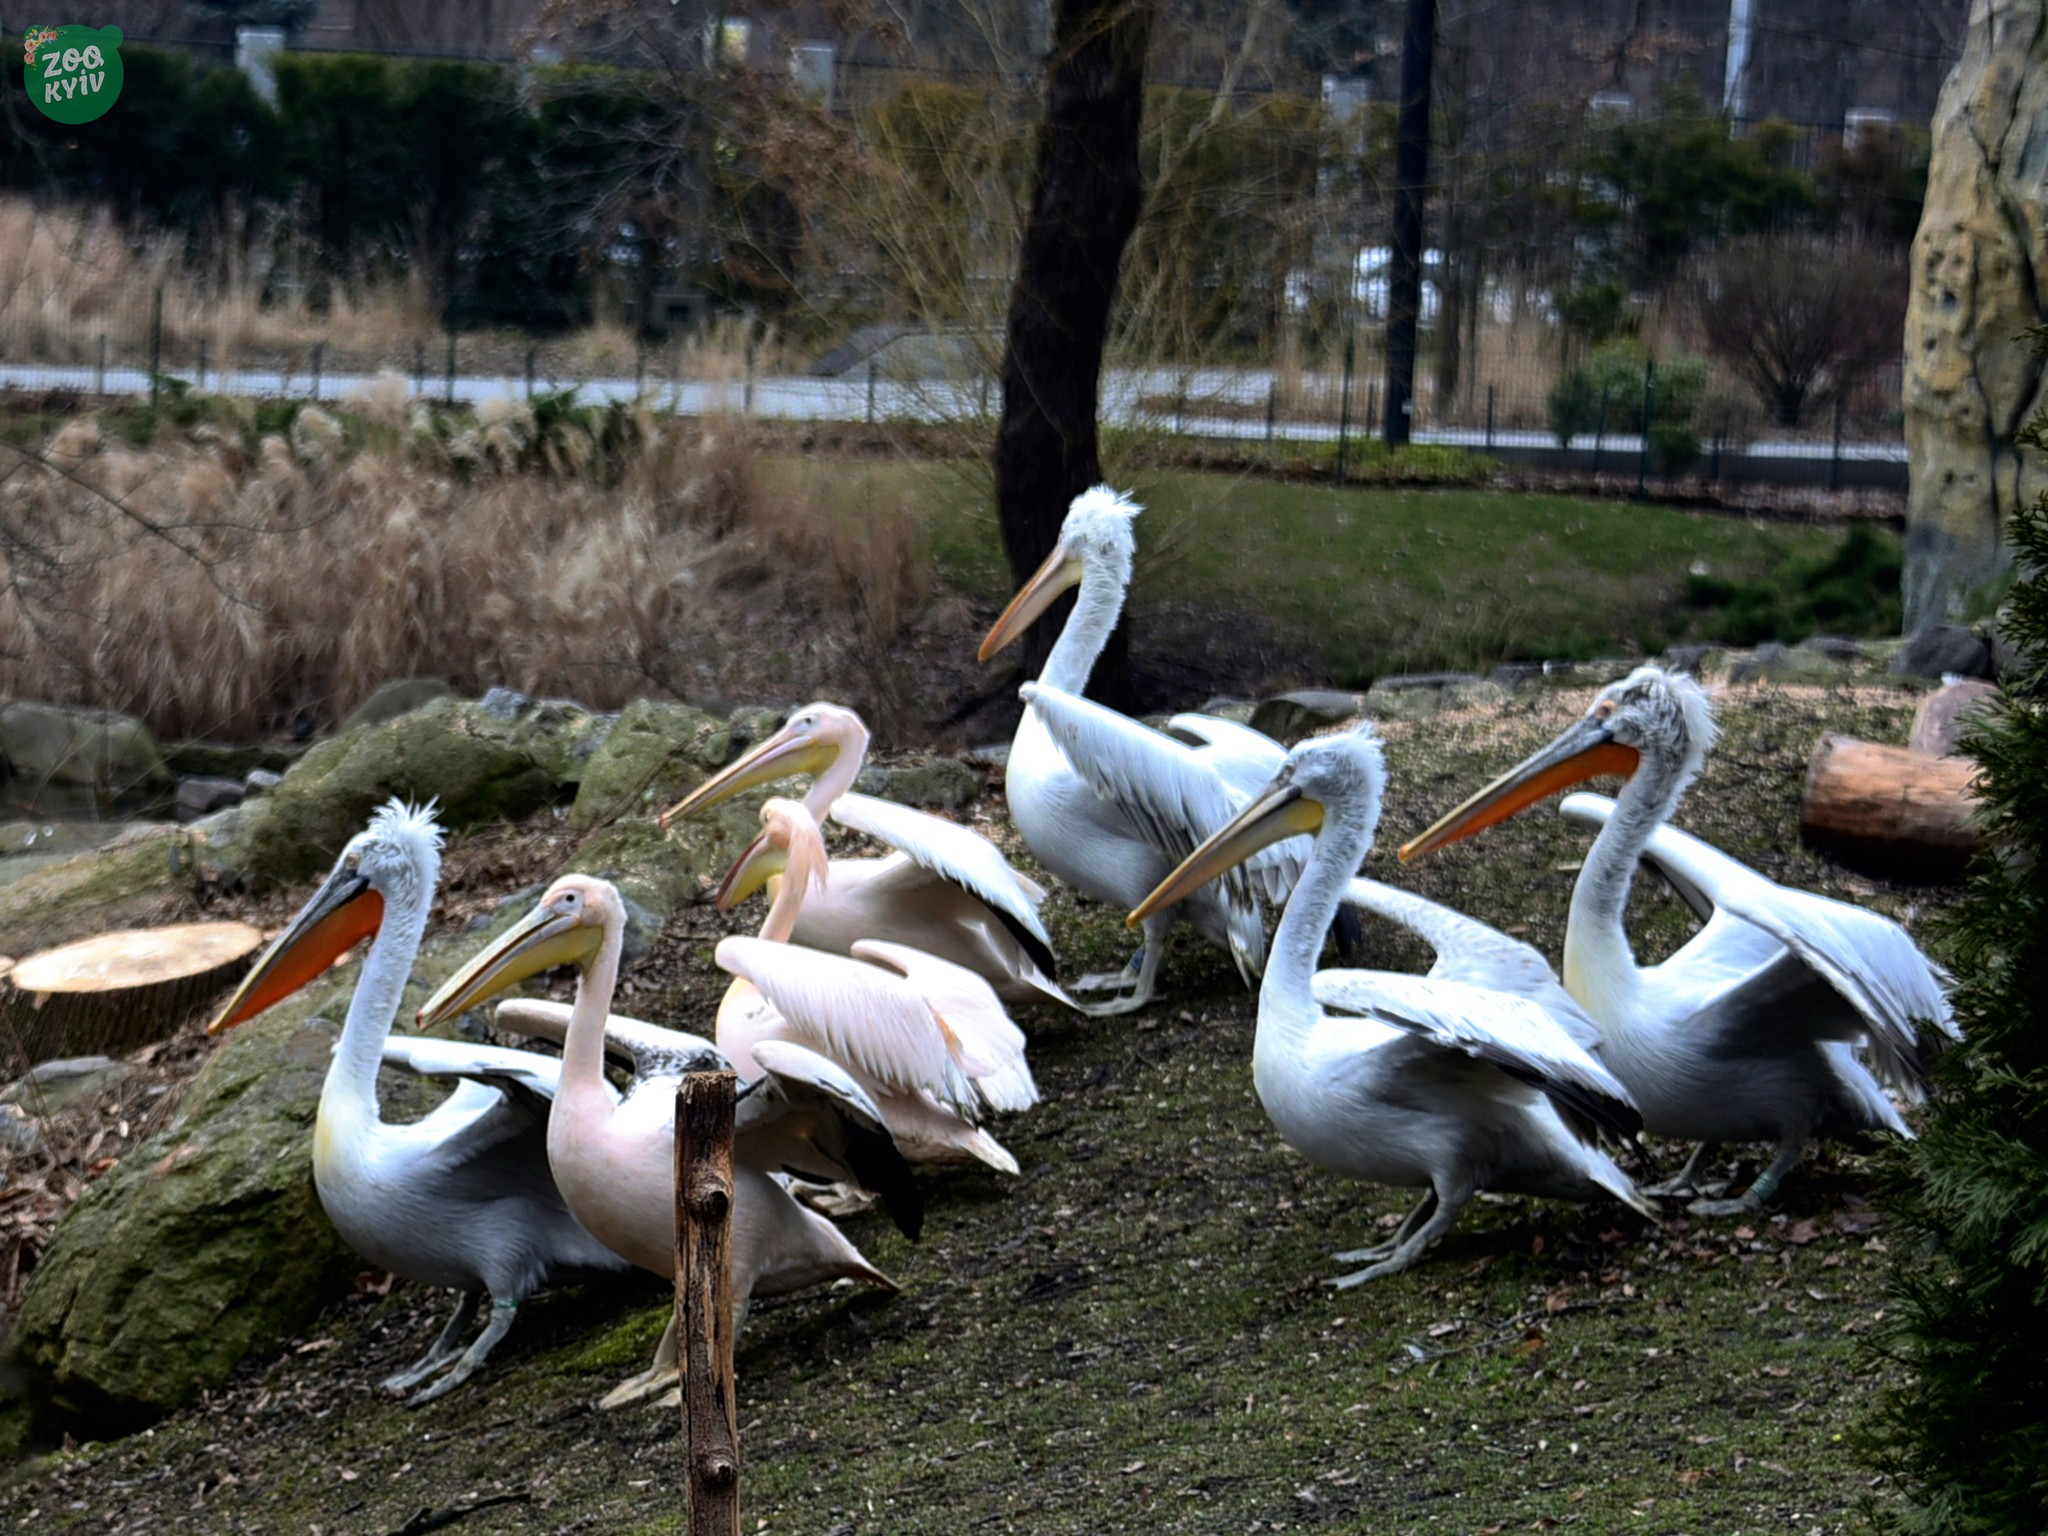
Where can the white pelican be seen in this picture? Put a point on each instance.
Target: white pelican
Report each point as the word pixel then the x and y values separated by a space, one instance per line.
pixel 614 1159
pixel 946 890
pixel 1107 804
pixel 1442 1083
pixel 462 1198
pixel 1750 1031
pixel 927 1039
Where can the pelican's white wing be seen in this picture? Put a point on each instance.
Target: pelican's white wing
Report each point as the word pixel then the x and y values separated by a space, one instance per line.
pixel 856 1014
pixel 1174 798
pixel 1470 951
pixel 804 1115
pixel 1513 1033
pixel 649 1050
pixel 1247 759
pixel 950 851
pixel 495 1066
pixel 989 1045
pixel 1866 957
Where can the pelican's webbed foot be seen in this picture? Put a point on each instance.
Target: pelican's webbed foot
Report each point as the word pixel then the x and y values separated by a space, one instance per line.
pixel 446 1346
pixel 1418 1241
pixel 1759 1194
pixel 471 1359
pixel 1374 1252
pixel 1683 1182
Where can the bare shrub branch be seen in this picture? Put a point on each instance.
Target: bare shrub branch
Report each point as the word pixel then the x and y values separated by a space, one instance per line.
pixel 1800 320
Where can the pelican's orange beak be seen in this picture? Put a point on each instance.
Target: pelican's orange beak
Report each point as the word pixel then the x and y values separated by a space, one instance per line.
pixel 1585 751
pixel 1283 811
pixel 342 913
pixel 1059 572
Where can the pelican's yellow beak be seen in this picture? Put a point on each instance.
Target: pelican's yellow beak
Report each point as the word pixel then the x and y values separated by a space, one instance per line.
pixel 1059 572
pixel 342 913
pixel 1281 812
pixel 759 863
pixel 1585 751
pixel 789 751
pixel 540 941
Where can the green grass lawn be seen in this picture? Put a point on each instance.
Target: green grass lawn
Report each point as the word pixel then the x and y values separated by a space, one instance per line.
pixel 1363 582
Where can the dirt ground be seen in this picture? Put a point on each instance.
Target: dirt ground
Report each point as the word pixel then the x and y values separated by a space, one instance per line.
pixel 1132 1334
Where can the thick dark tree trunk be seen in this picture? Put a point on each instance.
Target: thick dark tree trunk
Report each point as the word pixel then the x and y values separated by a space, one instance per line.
pixel 1084 204
pixel 1411 175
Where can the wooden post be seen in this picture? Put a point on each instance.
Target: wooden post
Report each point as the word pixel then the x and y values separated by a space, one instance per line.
pixel 711 1436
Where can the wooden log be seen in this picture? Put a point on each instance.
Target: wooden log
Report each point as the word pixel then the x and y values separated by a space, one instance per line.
pixel 704 1323
pixel 1890 811
pixel 113 992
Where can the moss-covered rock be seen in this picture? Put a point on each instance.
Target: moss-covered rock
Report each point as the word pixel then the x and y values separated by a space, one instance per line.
pixel 928 780
pixel 208 1240
pixel 477 768
pixel 129 882
pixel 208 1243
pixel 63 761
pixel 653 755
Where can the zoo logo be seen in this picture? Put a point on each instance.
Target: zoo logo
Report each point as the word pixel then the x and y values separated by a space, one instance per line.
pixel 73 73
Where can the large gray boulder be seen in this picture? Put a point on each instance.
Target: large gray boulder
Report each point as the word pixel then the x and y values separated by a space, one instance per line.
pixel 476 768
pixel 203 1243
pixel 399 696
pixel 1288 717
pixel 1944 650
pixel 64 761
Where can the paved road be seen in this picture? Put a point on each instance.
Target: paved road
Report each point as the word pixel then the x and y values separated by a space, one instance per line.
pixel 1130 399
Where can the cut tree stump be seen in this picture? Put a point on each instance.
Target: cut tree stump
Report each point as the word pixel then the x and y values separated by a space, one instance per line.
pixel 1888 810
pixel 108 994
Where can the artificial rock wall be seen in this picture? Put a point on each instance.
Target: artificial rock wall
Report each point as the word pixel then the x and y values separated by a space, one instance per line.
pixel 1979 264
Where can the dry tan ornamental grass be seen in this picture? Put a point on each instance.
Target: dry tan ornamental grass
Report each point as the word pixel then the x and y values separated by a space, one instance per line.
pixel 221 588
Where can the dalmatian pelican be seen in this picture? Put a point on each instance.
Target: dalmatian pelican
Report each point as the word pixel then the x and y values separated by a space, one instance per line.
pixel 613 1158
pixel 927 1039
pixel 1109 805
pixel 463 1197
pixel 945 890
pixel 1751 1031
pixel 1403 1080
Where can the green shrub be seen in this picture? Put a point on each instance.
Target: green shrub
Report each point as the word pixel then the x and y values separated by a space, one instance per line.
pixel 1852 591
pixel 1612 377
pixel 1966 1432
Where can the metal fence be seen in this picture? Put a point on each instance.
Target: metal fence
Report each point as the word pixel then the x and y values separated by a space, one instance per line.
pixel 141 345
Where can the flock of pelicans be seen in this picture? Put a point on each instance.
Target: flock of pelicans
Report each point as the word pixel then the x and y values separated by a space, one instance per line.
pixel 867 1020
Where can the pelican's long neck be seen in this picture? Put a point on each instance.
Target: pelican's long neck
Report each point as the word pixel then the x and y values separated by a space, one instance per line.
pixel 583 1042
pixel 1087 630
pixel 785 901
pixel 1287 1010
pixel 351 1085
pixel 837 779
pixel 1599 964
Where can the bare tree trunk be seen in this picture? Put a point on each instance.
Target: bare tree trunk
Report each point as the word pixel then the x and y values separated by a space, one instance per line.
pixel 1084 204
pixel 1411 173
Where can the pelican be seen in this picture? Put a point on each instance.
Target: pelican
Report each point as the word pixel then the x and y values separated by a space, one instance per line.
pixel 614 1159
pixel 462 1198
pixel 927 1039
pixel 1107 804
pixel 1750 1031
pixel 946 890
pixel 1436 1082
